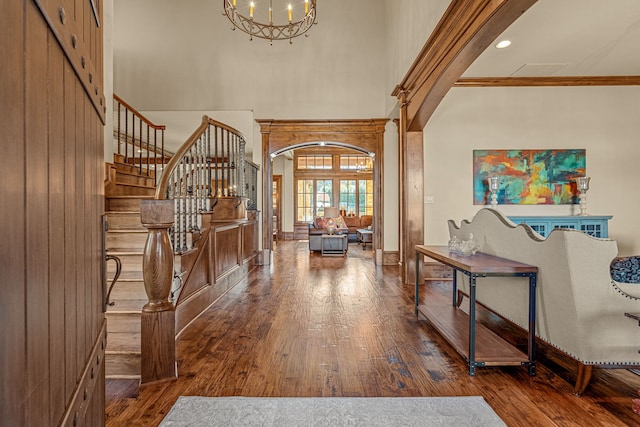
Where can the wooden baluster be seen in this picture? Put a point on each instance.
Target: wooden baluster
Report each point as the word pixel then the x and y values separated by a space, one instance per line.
pixel 158 348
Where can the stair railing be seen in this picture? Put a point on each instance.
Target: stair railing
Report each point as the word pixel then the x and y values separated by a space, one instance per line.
pixel 139 141
pixel 208 166
pixel 204 170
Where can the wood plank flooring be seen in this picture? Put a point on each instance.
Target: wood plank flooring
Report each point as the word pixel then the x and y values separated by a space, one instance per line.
pixel 313 326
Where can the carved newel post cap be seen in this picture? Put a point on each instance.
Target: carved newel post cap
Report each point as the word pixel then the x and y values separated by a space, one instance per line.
pixel 158 212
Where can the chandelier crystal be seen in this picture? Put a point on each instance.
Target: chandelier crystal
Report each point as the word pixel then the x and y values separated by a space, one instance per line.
pixel 271 31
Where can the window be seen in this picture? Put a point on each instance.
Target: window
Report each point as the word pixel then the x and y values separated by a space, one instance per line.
pixel 305 200
pixel 365 197
pixel 350 162
pixel 356 196
pixel 348 196
pixel 331 177
pixel 313 196
pixel 315 162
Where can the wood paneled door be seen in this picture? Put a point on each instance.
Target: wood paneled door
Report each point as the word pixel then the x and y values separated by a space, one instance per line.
pixel 52 335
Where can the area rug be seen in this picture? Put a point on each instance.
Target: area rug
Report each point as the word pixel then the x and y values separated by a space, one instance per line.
pixel 331 411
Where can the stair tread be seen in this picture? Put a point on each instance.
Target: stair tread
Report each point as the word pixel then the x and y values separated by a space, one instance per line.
pixel 122 352
pixel 122 212
pixel 130 184
pixel 134 196
pixel 122 377
pixel 127 307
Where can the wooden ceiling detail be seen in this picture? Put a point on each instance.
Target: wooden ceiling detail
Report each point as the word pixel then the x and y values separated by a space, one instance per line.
pixel 548 81
pixel 466 29
pixel 289 133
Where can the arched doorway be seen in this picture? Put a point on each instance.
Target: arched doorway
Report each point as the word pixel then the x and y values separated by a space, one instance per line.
pixel 366 136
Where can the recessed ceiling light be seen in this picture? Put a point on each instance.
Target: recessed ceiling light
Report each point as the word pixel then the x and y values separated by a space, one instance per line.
pixel 502 44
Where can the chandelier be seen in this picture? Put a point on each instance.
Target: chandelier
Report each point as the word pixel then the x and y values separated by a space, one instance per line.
pixel 270 31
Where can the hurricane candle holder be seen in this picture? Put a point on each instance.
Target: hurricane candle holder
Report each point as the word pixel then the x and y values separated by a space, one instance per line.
pixel 583 185
pixel 494 184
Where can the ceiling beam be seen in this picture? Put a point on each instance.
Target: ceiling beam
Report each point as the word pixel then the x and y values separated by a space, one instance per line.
pixel 465 30
pixel 548 81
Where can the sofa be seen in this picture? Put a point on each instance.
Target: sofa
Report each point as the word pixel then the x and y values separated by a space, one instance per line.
pixel 580 308
pixel 350 225
pixel 356 222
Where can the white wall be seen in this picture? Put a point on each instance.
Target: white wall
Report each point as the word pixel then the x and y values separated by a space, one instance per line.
pixel 408 26
pixel 603 120
pixel 185 57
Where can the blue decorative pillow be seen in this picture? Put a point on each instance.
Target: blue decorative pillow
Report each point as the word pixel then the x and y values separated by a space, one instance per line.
pixel 626 269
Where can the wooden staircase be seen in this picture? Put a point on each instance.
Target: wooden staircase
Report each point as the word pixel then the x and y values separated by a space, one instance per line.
pixel 126 238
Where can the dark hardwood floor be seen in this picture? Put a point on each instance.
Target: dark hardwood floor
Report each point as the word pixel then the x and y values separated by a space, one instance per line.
pixel 313 326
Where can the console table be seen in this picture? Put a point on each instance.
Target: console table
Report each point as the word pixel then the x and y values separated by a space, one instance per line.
pixel 594 225
pixel 476 343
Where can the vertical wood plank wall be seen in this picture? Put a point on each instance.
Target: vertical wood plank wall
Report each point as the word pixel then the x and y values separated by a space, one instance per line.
pixel 51 194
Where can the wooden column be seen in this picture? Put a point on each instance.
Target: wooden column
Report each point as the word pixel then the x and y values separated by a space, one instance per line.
pixel 411 194
pixel 158 329
pixel 267 195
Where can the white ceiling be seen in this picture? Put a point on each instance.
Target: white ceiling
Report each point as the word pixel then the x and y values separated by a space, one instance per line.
pixel 568 38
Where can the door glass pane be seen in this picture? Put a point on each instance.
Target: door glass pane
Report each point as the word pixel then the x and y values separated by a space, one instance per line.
pixel 348 196
pixel 365 197
pixel 324 195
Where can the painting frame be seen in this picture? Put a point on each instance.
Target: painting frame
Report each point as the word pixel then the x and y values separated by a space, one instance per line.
pixel 528 176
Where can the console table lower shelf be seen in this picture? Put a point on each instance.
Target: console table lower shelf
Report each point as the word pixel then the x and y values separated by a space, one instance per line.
pixel 453 325
pixel 477 344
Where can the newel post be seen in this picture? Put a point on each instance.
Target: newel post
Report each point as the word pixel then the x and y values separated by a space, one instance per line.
pixel 158 330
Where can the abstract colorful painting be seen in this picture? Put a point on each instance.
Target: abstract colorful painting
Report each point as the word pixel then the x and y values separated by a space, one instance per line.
pixel 528 177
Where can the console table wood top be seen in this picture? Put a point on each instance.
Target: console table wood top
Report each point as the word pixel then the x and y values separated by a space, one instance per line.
pixel 479 263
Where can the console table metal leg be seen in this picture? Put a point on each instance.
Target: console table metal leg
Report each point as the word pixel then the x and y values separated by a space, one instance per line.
pixel 454 285
pixel 532 324
pixel 416 299
pixel 472 325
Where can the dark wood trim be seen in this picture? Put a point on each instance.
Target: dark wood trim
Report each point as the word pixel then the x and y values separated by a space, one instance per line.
pixel 278 135
pixel 465 30
pixel 548 81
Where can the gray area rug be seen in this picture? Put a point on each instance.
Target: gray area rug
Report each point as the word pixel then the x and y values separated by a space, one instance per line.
pixel 331 411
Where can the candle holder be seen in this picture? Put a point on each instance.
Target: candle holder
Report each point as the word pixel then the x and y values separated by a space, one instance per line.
pixel 582 183
pixel 494 185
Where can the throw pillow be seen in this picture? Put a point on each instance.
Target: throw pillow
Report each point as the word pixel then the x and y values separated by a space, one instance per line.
pixel 340 222
pixel 626 269
pixel 318 222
